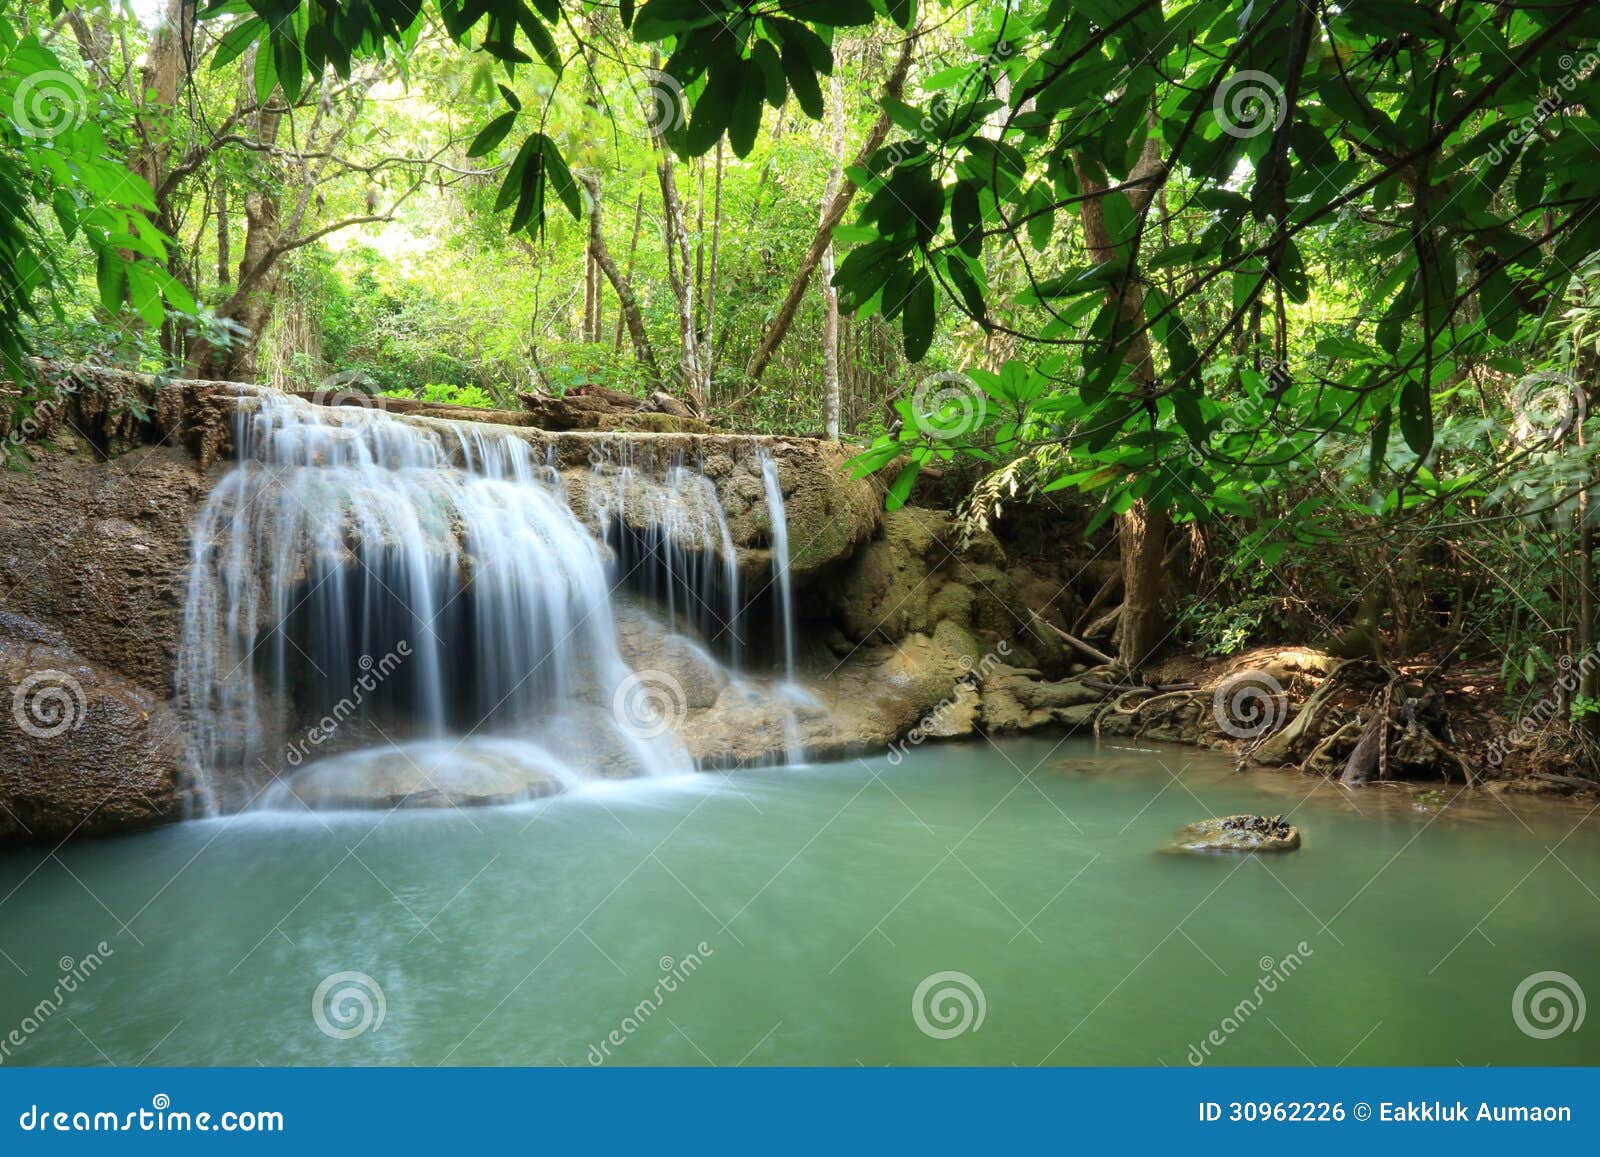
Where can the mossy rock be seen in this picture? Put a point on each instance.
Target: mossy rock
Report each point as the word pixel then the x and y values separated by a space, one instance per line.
pixel 1238 833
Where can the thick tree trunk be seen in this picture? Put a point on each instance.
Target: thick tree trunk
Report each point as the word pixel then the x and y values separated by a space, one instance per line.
pixel 784 318
pixel 627 305
pixel 1142 535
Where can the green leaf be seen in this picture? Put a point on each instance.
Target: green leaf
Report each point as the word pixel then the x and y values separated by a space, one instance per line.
pixel 773 84
pixel 111 278
pixel 744 124
pixel 900 488
pixel 917 322
pixel 659 19
pixel 1416 416
pixel 1380 446
pixel 493 133
pixel 236 40
pixel 560 177
pixel 289 63
pixel 802 79
pixel 266 76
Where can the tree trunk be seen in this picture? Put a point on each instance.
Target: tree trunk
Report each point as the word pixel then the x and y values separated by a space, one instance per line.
pixel 708 346
pixel 784 318
pixel 680 272
pixel 1142 532
pixel 627 305
pixel 830 294
pixel 633 249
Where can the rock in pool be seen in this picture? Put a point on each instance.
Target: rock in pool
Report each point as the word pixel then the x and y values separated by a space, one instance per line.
pixel 1241 833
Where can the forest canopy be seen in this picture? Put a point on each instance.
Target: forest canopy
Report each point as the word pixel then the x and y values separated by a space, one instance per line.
pixel 1318 276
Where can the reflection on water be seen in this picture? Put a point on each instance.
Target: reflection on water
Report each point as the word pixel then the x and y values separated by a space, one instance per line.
pixel 973 905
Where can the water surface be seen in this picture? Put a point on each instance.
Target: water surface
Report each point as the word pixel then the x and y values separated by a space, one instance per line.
pixel 797 911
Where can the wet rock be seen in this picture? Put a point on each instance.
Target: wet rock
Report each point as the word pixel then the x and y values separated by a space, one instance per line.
pixel 83 751
pixel 468 775
pixel 1238 833
pixel 1015 699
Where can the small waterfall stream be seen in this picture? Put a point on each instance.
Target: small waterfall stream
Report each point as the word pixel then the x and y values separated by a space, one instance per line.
pixel 381 611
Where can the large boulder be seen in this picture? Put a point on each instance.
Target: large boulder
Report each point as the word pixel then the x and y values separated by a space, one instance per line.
pixel 82 750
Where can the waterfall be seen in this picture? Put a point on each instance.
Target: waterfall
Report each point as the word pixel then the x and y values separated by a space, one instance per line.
pixel 779 521
pixel 792 694
pixel 408 584
pixel 672 543
pixel 382 612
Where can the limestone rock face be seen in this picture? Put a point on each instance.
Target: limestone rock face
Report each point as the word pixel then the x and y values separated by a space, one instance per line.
pixel 82 750
pixel 918 576
pixel 98 550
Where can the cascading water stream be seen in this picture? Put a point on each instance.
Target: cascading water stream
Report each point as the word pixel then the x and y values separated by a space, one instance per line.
pixel 671 541
pixel 778 519
pixel 383 611
pixel 345 535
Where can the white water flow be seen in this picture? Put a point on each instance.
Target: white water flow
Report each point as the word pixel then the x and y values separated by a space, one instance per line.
pixel 672 543
pixel 794 695
pixel 420 592
pixel 779 522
